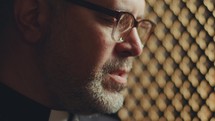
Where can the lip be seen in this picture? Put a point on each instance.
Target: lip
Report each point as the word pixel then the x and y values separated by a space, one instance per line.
pixel 119 76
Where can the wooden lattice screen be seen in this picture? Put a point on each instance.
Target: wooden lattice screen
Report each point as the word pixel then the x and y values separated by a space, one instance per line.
pixel 174 78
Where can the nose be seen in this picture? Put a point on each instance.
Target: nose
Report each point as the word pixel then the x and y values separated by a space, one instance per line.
pixel 131 46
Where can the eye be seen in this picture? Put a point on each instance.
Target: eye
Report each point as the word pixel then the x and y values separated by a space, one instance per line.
pixel 110 20
pixel 107 20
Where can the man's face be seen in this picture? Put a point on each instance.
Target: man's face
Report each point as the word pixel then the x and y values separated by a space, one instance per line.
pixel 84 68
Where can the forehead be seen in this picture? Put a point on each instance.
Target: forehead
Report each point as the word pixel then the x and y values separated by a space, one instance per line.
pixel 136 7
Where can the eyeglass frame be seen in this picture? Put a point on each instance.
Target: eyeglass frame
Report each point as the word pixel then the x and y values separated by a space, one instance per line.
pixel 109 12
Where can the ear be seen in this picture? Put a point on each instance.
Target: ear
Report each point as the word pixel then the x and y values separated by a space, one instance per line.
pixel 31 17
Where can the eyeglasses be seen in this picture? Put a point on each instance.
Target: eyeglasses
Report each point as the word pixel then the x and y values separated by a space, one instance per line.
pixel 124 22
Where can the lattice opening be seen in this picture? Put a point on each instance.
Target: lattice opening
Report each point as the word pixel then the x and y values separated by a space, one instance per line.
pixel 174 78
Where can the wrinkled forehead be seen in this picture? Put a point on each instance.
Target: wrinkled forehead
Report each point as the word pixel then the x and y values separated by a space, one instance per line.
pixel 136 7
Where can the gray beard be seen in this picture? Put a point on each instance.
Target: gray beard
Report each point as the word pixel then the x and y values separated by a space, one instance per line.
pixel 93 95
pixel 106 99
pixel 104 92
pixel 76 95
pixel 99 94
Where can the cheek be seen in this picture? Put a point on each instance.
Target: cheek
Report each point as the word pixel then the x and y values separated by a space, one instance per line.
pixel 93 46
pixel 86 46
pixel 102 47
pixel 96 51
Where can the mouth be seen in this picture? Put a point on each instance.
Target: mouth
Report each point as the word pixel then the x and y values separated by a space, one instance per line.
pixel 119 76
pixel 117 80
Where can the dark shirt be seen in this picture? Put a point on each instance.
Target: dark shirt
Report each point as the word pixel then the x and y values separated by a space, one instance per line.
pixel 16 107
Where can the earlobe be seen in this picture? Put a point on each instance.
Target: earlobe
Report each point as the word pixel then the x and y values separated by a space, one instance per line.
pixel 27 15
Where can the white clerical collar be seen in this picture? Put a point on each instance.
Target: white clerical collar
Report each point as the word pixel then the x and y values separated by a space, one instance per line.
pixel 58 116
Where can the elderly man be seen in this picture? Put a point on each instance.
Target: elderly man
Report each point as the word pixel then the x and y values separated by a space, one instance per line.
pixel 67 56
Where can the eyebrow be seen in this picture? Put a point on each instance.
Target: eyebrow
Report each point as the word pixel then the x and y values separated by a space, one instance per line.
pixel 108 11
pixel 139 17
pixel 95 7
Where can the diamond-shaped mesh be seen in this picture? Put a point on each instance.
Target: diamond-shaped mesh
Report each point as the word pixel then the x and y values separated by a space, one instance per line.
pixel 174 78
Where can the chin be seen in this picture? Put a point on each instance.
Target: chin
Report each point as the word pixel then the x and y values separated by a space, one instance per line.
pixel 104 100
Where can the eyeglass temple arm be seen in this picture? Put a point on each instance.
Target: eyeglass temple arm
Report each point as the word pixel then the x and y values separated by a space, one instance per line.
pixel 95 7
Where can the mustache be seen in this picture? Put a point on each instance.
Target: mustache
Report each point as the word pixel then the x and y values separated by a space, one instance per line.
pixel 116 64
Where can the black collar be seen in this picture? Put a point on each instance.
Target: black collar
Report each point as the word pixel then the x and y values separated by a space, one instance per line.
pixel 16 107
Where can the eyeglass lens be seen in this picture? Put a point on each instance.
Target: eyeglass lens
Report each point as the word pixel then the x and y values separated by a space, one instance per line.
pixel 125 25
